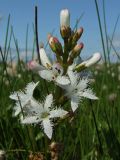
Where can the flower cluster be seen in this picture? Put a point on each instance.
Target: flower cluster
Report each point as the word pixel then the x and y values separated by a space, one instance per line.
pixel 63 72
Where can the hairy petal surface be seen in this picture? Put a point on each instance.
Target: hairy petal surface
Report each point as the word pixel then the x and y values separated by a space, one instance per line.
pixel 30 120
pixel 62 80
pixel 48 101
pixel 47 75
pixel 47 126
pixel 58 113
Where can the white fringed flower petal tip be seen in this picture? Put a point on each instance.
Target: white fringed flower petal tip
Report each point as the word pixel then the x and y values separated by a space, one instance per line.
pixel 65 18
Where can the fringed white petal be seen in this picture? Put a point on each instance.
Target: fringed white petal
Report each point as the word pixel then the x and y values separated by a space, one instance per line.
pixel 57 113
pixel 73 77
pixel 62 80
pixel 74 103
pixel 30 88
pixel 30 120
pixel 48 101
pixel 47 126
pixel 83 84
pixel 88 93
pixel 47 75
pixel 23 97
pixel 17 95
pixel 35 107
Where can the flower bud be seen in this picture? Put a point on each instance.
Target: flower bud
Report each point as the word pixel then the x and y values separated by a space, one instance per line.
pixel 75 52
pixel 85 64
pixel 34 66
pixel 65 18
pixel 94 59
pixel 65 32
pixel 77 35
pixel 55 45
pixel 44 58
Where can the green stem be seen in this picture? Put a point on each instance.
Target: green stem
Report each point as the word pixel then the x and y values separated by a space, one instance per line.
pixel 95 122
pixel 100 27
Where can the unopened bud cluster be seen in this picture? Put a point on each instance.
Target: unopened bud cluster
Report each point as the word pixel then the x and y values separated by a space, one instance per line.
pixel 66 54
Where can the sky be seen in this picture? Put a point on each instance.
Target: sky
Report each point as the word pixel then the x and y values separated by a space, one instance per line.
pixel 22 14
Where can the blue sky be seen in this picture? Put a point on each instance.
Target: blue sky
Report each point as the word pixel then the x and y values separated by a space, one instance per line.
pixel 22 13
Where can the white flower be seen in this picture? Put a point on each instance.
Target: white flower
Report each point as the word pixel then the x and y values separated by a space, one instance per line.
pixel 43 113
pixel 65 18
pixel 48 71
pixel 24 98
pixel 54 74
pixel 77 89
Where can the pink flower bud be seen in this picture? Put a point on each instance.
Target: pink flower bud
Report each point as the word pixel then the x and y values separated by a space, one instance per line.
pixel 75 52
pixel 77 35
pixel 78 48
pixel 32 65
pixel 55 45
